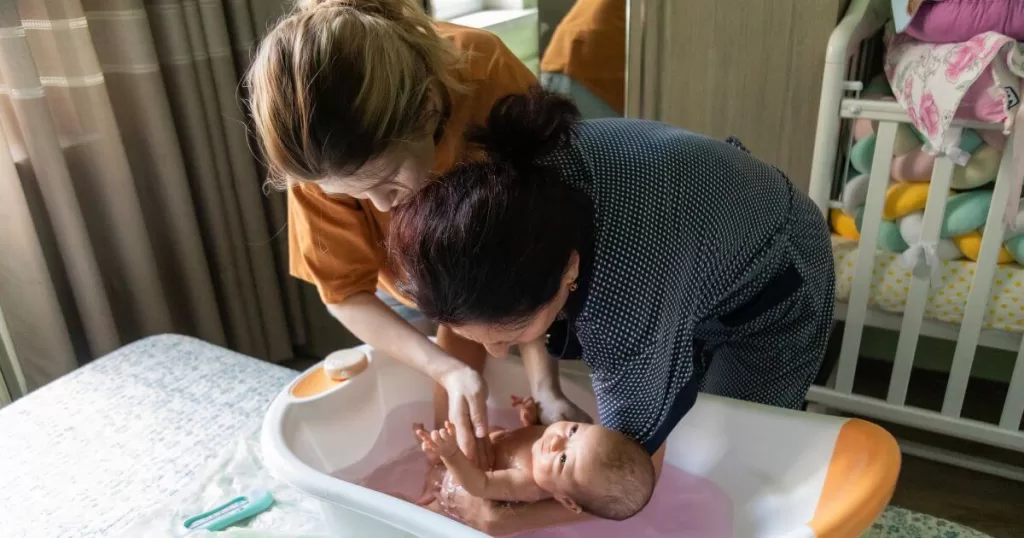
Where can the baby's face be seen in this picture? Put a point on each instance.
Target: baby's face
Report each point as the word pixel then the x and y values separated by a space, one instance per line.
pixel 564 458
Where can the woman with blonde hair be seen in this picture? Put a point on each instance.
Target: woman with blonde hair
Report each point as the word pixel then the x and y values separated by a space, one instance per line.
pixel 355 104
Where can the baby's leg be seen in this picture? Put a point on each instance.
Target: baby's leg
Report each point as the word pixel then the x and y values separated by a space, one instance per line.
pixel 432 484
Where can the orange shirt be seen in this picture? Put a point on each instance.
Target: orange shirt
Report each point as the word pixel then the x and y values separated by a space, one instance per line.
pixel 337 242
pixel 589 46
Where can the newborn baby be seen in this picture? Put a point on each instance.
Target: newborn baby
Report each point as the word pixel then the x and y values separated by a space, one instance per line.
pixel 585 467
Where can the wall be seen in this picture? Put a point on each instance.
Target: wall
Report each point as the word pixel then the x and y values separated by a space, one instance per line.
pixel 750 68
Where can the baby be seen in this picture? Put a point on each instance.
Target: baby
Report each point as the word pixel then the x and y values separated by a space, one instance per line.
pixel 585 467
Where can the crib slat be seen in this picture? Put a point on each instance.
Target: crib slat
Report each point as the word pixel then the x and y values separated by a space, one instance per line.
pixel 917 299
pixel 862 271
pixel 1013 408
pixel 981 287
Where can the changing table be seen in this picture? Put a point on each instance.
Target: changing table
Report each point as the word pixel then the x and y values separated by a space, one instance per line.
pixel 89 453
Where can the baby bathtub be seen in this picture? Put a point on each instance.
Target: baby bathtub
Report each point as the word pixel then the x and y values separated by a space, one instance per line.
pixel 788 474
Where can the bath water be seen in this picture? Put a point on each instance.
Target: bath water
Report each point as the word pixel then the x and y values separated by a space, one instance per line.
pixel 683 504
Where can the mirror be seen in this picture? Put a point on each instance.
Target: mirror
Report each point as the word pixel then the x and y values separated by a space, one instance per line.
pixel 576 47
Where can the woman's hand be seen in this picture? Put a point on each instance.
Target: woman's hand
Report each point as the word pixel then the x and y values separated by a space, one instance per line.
pixel 467 410
pixel 555 407
pixel 529 412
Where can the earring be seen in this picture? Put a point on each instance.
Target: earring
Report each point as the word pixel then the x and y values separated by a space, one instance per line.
pixel 573 286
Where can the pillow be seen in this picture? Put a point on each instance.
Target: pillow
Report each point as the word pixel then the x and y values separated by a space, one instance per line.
pixel 970 245
pixel 1018 227
pixel 889 237
pixel 863 151
pixel 970 140
pixel 981 169
pixel 914 166
pixel 953 21
pixel 855 193
pixel 861 154
pixel 1015 246
pixel 994 138
pixel 965 212
pixel 910 229
pixel 904 198
pixel 843 225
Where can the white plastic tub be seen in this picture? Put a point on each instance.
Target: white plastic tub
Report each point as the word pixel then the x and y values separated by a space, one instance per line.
pixel 788 474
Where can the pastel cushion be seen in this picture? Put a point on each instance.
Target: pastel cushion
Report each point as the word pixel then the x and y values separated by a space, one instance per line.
pixel 1015 246
pixel 889 237
pixel 855 193
pixel 958 21
pixel 914 166
pixel 970 140
pixel 965 212
pixel 981 169
pixel 993 138
pixel 863 151
pixel 910 229
pixel 906 140
pixel 879 85
pixel 970 245
pixel 863 128
pixel 843 225
pixel 861 154
pixel 904 198
pixel 1018 227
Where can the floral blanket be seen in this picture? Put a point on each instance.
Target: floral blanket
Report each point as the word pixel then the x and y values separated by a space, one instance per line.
pixel 976 80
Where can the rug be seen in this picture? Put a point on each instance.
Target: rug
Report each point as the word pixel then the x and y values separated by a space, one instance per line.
pixel 899 523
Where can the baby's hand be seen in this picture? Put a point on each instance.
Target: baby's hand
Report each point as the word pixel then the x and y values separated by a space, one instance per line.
pixel 439 443
pixel 529 411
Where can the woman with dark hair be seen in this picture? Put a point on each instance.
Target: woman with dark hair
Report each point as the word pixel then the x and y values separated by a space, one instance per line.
pixel 675 262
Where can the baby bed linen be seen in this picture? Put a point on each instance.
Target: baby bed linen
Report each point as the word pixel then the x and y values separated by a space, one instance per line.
pixel 890 285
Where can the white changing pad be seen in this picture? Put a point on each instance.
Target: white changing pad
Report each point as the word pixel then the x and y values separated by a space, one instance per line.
pixel 237 470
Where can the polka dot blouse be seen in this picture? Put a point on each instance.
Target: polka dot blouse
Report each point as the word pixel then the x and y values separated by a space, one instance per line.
pixel 689 232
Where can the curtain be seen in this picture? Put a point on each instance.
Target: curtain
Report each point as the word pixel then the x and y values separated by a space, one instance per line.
pixel 130 202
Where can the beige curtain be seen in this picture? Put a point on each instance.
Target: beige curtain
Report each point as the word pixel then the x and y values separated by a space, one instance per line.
pixel 131 203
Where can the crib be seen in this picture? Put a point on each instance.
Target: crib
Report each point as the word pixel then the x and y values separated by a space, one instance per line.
pixel 856 305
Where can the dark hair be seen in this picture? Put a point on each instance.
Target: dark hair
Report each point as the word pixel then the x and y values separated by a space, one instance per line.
pixel 489 241
pixel 628 480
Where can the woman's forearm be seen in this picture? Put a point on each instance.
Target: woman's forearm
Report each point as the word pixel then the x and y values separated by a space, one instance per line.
pixel 373 322
pixel 541 368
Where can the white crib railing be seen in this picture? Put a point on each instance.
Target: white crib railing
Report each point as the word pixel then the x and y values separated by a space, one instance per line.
pixel 864 18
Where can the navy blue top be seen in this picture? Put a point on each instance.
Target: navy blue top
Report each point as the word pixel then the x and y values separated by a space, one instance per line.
pixel 684 229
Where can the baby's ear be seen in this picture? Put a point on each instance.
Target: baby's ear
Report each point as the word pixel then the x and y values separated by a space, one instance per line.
pixel 568 503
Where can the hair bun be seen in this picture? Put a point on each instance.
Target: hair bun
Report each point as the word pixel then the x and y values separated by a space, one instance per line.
pixel 524 128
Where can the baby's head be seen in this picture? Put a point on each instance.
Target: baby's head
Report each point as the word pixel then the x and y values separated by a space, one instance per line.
pixel 593 469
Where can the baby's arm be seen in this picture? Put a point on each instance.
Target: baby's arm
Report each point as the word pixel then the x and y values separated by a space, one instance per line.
pixel 529 411
pixel 505 485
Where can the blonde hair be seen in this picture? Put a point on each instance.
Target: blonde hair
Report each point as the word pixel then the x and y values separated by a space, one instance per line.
pixel 337 82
